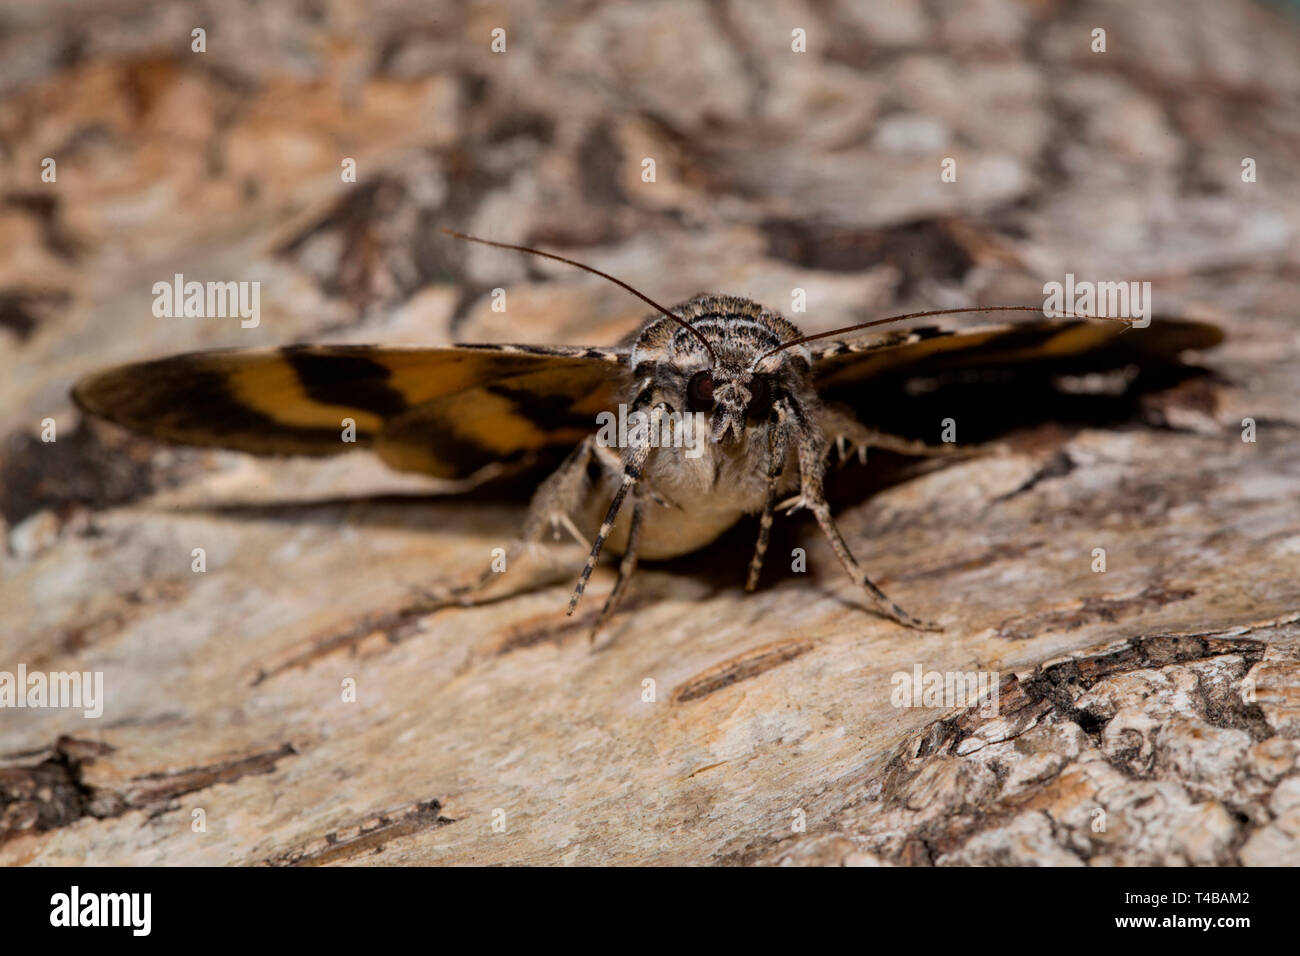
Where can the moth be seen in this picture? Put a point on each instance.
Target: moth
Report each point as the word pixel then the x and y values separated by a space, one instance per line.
pixel 766 393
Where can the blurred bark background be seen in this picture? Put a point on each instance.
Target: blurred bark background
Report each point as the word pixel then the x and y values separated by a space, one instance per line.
pixel 1150 714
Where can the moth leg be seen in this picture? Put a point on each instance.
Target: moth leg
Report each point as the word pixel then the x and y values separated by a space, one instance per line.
pixel 634 459
pixel 776 450
pixel 549 508
pixel 625 567
pixel 567 523
pixel 873 438
pixel 852 436
pixel 812 460
pixel 855 571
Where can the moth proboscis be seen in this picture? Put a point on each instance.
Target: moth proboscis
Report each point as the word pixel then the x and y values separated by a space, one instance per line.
pixel 764 391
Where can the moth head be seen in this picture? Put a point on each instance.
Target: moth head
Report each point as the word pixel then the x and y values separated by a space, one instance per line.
pixel 725 382
pixel 731 397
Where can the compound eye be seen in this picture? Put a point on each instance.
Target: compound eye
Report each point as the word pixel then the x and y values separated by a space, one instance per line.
pixel 699 392
pixel 760 397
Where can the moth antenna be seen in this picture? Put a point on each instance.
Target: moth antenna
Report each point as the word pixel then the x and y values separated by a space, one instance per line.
pixel 713 358
pixel 921 315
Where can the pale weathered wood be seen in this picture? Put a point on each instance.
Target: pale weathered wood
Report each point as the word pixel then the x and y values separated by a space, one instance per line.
pixel 1149 714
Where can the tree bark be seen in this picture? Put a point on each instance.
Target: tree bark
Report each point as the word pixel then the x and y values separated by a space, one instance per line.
pixel 275 708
